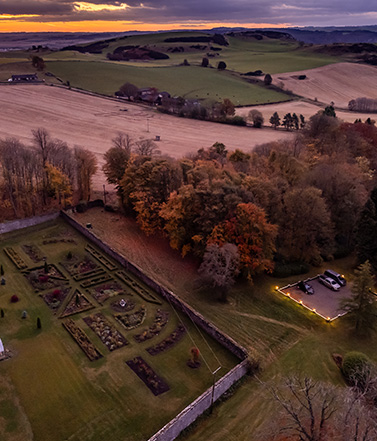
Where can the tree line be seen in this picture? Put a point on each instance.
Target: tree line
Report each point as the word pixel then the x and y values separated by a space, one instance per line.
pixel 288 201
pixel 42 175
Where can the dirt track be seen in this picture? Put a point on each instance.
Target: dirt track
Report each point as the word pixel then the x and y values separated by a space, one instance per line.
pixel 92 122
pixel 339 83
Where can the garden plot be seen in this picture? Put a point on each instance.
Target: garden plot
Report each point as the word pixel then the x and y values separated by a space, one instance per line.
pixel 108 344
pixel 324 302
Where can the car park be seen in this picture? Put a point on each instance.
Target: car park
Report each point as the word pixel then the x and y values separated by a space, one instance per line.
pixel 329 283
pixel 305 287
pixel 339 279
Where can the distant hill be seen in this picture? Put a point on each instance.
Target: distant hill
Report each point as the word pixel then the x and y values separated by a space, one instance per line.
pixel 334 36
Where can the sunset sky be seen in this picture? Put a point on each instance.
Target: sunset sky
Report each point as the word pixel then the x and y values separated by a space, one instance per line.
pixel 117 16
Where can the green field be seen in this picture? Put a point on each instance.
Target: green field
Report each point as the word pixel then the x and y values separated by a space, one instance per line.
pixel 187 81
pixel 242 55
pixel 51 391
pixel 96 73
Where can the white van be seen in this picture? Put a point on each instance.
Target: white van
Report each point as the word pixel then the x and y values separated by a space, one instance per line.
pixel 335 276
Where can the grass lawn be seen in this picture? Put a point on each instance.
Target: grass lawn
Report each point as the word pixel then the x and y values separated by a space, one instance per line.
pixel 188 81
pixel 50 390
pixel 281 334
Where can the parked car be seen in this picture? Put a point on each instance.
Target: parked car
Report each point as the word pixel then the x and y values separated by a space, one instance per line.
pixel 305 287
pixel 340 280
pixel 329 283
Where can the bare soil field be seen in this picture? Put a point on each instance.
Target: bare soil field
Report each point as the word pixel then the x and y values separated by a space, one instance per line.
pixel 91 122
pixel 339 83
pixel 301 107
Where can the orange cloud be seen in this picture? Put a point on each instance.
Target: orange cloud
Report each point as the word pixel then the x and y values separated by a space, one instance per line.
pixel 10 24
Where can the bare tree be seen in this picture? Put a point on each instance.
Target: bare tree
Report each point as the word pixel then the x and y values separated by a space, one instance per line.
pixel 146 147
pixel 42 141
pixel 220 266
pixel 316 411
pixel 86 164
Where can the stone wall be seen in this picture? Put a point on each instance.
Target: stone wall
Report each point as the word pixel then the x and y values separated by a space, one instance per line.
pixel 195 316
pixel 194 410
pixel 18 224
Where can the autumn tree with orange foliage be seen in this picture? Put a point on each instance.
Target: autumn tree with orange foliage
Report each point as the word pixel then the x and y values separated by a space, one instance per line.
pixel 254 236
pixel 146 185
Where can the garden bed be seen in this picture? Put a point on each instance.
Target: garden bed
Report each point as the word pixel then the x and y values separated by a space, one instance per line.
pixel 145 295
pixel 52 241
pixel 55 298
pixel 154 383
pixel 108 334
pixel 160 321
pixel 96 280
pixel 103 292
pixel 132 321
pixel 168 342
pixel 15 258
pixel 123 305
pixel 78 303
pixel 33 252
pixel 41 280
pixel 82 340
pixel 104 260
pixel 76 267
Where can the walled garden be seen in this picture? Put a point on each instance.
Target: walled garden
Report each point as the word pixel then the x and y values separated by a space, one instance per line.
pixel 81 327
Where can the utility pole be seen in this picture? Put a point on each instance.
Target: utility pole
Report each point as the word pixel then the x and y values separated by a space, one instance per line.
pixel 213 387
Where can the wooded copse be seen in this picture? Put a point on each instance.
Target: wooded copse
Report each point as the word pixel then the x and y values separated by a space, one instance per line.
pixel 291 201
pixel 47 173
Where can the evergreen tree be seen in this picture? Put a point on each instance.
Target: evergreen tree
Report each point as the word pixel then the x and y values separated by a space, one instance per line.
pixel 1 270
pixel 46 268
pixel 330 111
pixel 302 121
pixel 39 324
pixel 275 120
pixel 366 231
pixel 267 79
pixel 288 121
pixel 295 121
pixel 361 306
pixel 2 313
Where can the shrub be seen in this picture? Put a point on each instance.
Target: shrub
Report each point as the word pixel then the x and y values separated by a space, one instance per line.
pixel 205 62
pixel 69 255
pixel 56 293
pixel 267 79
pixel 237 121
pixel 302 77
pixel 81 207
pixel 290 269
pixel 2 313
pixel 221 65
pixel 356 368
pixel 14 298
pixel 43 278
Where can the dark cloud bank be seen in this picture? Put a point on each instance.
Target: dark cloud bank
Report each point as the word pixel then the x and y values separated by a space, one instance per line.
pixel 295 12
